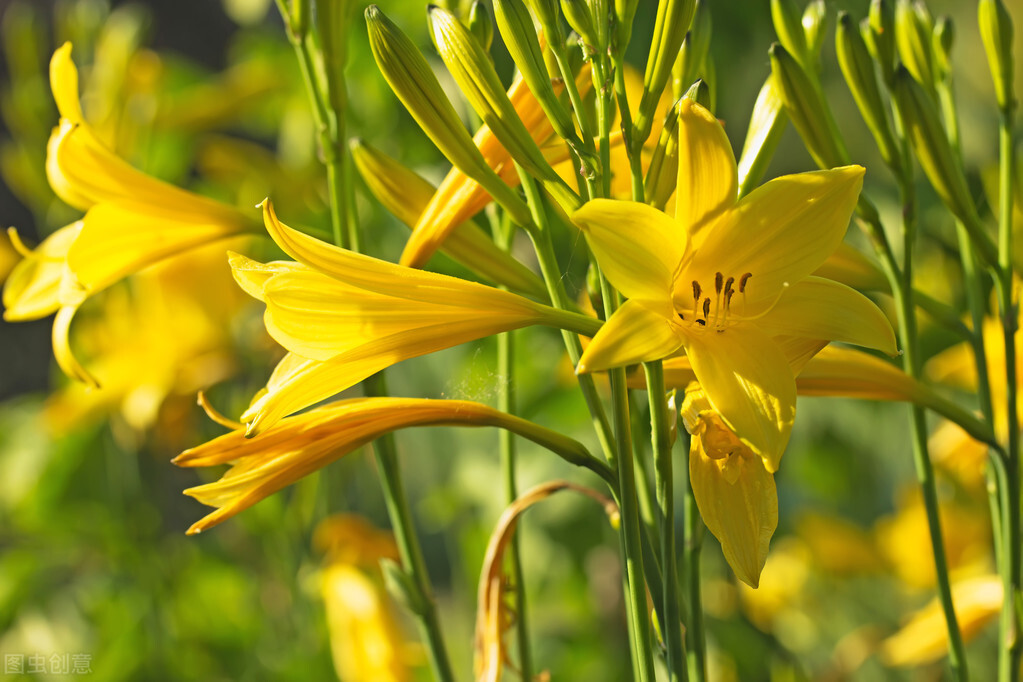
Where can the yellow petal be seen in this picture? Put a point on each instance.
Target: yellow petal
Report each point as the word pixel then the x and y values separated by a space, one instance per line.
pixel 251 275
pixel 117 240
pixel 707 180
pixel 319 317
pixel 924 639
pixel 64 83
pixel 780 232
pixel 749 383
pixel 852 267
pixel 382 277
pixel 738 501
pixel 637 247
pixel 819 308
pixel 851 373
pixel 32 289
pixel 639 331
pixel 66 360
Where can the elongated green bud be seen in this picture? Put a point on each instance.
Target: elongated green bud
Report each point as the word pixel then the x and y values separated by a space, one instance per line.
pixel 625 13
pixel 406 194
pixel 858 69
pixel 546 12
pixel 478 81
pixel 578 15
pixel 941 46
pixel 913 30
pixel 788 24
pixel 411 79
pixel 602 15
pixel 996 34
pixel 815 27
pixel 879 34
pixel 692 56
pixel 766 125
pixel 672 23
pixel 662 173
pixel 930 144
pixel 808 110
pixel 480 24
pixel 516 27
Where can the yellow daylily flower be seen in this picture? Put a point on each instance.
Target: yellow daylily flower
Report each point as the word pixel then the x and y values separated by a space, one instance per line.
pixel 924 639
pixel 299 445
pixel 132 220
pixel 345 316
pixel 734 491
pixel 366 641
pixel 723 277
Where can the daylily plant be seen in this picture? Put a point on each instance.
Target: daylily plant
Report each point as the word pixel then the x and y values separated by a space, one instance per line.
pixel 723 277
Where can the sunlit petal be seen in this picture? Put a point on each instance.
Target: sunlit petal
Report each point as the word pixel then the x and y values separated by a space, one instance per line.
pixel 32 289
pixel 819 308
pixel 749 383
pixel 637 247
pixel 738 501
pixel 618 343
pixel 707 181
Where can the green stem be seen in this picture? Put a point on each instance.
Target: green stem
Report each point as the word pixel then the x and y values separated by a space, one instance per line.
pixel 503 234
pixel 1010 642
pixel 408 543
pixel 664 477
pixel 692 544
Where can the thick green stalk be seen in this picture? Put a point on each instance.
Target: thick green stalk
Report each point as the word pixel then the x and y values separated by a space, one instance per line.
pixel 1010 642
pixel 664 477
pixel 692 544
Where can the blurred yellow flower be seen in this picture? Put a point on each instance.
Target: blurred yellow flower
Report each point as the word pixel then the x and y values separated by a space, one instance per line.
pixel 162 337
pixel 366 641
pixel 723 277
pixel 924 639
pixel 344 316
pixel 132 220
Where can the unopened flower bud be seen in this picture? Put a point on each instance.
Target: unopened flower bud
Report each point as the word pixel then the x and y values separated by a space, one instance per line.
pixel 480 24
pixel 815 27
pixel 913 30
pixel 625 13
pixel 546 12
pixel 808 110
pixel 411 79
pixel 406 195
pixel 577 13
pixel 766 125
pixel 789 26
pixel 996 34
pixel 858 69
pixel 516 26
pixel 941 44
pixel 692 56
pixel 879 35
pixel 930 143
pixel 670 27
pixel 662 173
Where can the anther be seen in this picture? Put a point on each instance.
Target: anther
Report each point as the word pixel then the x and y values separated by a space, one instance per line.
pixel 702 323
pixel 706 307
pixel 728 285
pixel 696 290
pixel 718 281
pixel 743 280
pixel 728 298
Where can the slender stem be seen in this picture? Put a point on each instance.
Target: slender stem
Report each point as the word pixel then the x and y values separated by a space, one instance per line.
pixel 691 546
pixel 1011 643
pixel 408 543
pixel 506 403
pixel 664 477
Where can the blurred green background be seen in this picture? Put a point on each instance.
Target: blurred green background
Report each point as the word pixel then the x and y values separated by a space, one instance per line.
pixel 93 556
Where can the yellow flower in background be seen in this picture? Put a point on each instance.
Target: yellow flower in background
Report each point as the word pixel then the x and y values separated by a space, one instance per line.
pixel 132 220
pixel 160 337
pixel 344 316
pixel 366 641
pixel 724 277
pixel 924 639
